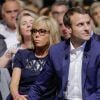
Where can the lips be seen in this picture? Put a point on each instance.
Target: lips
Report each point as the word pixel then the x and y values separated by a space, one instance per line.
pixel 36 41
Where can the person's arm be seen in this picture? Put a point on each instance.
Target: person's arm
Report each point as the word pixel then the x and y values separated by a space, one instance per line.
pixel 5 59
pixel 16 76
pixel 14 85
pixel 7 56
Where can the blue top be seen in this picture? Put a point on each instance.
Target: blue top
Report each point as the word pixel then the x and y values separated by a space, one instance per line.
pixel 31 67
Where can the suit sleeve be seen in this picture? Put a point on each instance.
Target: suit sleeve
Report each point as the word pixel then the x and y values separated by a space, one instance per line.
pixel 96 94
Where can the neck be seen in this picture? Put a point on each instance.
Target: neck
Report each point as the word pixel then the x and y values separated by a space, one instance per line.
pixel 11 28
pixel 27 44
pixel 76 43
pixel 41 52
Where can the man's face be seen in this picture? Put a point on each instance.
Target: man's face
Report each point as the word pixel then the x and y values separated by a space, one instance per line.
pixel 96 15
pixel 10 13
pixel 81 27
pixel 65 31
pixel 58 11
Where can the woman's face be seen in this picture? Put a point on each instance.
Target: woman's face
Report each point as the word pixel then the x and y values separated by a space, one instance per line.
pixel 41 36
pixel 26 25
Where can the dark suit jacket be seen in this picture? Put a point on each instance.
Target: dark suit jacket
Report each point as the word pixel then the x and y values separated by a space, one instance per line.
pixel 58 66
pixel 3 47
pixel 0 96
pixel 96 36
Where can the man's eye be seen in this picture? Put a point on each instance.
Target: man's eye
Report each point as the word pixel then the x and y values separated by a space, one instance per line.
pixel 80 24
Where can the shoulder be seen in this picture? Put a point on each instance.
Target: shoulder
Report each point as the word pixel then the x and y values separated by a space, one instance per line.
pixel 2 26
pixel 58 46
pixel 25 51
pixel 96 37
pixel 3 47
pixel 95 44
pixel 1 36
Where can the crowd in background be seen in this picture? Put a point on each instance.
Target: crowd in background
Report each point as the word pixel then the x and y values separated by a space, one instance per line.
pixel 20 21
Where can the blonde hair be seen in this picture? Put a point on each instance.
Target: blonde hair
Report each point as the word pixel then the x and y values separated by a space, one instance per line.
pixel 24 12
pixel 94 6
pixel 51 25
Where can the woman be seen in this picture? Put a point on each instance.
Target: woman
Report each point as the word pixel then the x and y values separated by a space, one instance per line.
pixel 28 63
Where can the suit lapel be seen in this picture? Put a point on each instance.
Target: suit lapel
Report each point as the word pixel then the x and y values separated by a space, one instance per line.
pixel 85 61
pixel 66 60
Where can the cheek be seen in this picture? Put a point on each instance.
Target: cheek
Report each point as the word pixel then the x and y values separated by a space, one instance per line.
pixel 22 30
pixel 95 18
pixel 46 40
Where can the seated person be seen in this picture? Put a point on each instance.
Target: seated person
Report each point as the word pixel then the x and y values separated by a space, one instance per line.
pixel 28 63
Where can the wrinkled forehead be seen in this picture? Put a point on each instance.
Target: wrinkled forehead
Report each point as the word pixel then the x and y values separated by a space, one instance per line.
pixel 11 5
pixel 59 7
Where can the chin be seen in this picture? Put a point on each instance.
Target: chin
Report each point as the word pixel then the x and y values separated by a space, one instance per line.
pixel 87 38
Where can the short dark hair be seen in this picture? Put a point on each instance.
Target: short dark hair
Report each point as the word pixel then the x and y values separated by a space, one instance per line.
pixel 70 12
pixel 60 3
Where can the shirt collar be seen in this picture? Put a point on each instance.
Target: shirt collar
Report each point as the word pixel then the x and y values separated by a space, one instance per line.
pixel 73 49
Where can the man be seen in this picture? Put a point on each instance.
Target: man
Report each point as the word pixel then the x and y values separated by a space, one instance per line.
pixel 75 63
pixel 58 9
pixel 65 31
pixel 10 9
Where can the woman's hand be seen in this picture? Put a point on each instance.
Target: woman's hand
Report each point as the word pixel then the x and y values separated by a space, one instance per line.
pixel 20 97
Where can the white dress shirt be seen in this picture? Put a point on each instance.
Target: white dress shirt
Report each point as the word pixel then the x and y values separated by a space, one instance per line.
pixel 74 87
pixel 10 35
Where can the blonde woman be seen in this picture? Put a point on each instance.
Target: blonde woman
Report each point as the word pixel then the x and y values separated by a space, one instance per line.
pixel 28 63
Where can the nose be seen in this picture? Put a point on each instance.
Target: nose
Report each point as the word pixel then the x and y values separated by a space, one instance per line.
pixel 37 34
pixel 29 25
pixel 13 15
pixel 87 26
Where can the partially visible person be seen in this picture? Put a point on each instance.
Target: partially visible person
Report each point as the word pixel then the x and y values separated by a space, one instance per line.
pixel 24 20
pixel 28 4
pixel 8 24
pixel 95 14
pixel 46 11
pixel 28 63
pixel 0 96
pixel 64 30
pixel 3 47
pixel 2 37
pixel 75 62
pixel 58 9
